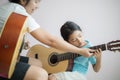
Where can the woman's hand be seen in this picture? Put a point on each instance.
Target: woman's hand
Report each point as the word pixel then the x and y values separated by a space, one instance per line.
pixel 26 45
pixel 87 52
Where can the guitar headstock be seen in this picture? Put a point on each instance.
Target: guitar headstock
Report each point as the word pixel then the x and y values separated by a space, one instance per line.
pixel 114 45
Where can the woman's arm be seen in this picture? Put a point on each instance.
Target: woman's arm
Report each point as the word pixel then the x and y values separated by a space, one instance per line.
pixel 58 43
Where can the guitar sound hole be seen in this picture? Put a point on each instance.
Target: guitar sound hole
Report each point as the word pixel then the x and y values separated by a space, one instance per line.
pixel 53 59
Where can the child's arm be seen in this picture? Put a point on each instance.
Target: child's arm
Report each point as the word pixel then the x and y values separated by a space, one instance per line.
pixel 97 55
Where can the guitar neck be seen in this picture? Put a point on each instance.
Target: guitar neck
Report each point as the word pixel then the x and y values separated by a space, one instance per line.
pixel 69 55
pixel 103 47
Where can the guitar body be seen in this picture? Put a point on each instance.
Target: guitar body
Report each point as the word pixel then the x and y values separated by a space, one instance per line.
pixel 45 54
pixel 10 43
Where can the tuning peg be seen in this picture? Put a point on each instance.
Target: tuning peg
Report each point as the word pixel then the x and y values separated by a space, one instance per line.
pixel 116 51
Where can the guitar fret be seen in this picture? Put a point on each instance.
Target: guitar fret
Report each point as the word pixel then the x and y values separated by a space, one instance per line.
pixel 106 46
pixel 66 56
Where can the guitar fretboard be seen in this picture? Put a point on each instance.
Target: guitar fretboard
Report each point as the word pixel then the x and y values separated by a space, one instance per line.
pixel 70 55
pixel 103 47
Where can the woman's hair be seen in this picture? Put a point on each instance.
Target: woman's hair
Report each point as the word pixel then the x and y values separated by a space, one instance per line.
pixel 68 28
pixel 18 1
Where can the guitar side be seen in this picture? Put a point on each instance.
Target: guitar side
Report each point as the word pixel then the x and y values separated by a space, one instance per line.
pixel 44 54
pixel 10 42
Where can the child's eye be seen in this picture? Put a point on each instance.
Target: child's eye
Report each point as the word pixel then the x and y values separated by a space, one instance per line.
pixel 36 1
pixel 79 36
pixel 73 40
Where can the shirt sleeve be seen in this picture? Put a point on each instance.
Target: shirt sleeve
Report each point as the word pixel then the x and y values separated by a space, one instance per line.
pixel 32 24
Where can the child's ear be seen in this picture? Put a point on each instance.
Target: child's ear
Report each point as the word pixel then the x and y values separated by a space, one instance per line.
pixel 23 2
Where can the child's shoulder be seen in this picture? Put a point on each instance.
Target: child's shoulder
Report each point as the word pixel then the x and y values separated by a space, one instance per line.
pixel 88 44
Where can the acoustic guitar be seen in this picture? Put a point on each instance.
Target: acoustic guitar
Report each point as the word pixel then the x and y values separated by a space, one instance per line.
pixel 11 38
pixel 54 60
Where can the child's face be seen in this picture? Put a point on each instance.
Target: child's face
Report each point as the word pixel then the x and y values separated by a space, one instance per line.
pixel 76 39
pixel 31 6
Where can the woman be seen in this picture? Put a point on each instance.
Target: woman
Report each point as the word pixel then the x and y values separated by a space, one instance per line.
pixel 27 7
pixel 72 33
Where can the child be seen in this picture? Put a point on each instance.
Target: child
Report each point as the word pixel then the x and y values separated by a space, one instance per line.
pixel 72 33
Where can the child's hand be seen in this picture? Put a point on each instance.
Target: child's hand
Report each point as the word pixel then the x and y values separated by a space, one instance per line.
pixel 97 54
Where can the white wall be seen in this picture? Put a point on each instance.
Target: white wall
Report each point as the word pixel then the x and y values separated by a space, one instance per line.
pixel 99 19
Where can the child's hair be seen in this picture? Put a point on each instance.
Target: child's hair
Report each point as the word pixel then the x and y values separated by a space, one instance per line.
pixel 68 28
pixel 18 1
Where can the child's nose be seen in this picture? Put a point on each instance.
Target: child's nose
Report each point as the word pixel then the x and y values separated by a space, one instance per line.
pixel 79 40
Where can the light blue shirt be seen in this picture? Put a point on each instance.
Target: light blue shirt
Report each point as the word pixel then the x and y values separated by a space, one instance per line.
pixel 81 63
